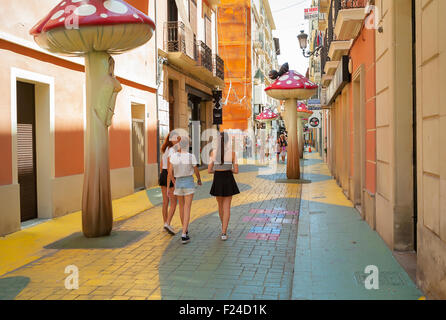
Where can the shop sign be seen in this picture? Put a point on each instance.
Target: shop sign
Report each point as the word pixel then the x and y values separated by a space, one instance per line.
pixel 311 13
pixel 314 121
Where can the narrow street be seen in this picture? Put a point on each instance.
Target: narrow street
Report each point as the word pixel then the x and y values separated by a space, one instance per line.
pixel 286 241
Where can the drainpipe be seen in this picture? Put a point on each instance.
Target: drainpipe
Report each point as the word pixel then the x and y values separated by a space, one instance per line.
pixel 414 120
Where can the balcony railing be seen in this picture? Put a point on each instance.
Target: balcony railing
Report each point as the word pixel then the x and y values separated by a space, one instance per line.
pixel 174 37
pixel 324 55
pixel 347 4
pixel 204 55
pixel 219 67
pixel 330 29
pixel 179 39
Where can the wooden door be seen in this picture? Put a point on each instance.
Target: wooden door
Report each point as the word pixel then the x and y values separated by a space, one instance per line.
pixel 26 150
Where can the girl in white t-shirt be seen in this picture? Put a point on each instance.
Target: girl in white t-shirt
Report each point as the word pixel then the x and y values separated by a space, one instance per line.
pixel 168 150
pixel 182 166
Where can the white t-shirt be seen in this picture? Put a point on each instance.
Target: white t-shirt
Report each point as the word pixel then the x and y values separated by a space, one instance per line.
pixel 183 164
pixel 167 153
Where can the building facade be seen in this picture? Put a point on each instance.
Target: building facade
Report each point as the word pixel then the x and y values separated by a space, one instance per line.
pixel 265 49
pixel 43 122
pixel 382 62
pixel 43 110
pixel 190 67
pixel 250 51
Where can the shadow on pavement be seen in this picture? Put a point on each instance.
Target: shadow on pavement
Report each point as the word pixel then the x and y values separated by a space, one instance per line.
pixel 239 268
pixel 12 286
pixel 117 239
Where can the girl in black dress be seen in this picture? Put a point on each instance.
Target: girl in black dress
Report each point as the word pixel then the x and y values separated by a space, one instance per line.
pixel 223 164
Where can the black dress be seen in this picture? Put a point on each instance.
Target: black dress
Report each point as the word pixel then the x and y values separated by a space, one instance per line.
pixel 163 179
pixel 224 184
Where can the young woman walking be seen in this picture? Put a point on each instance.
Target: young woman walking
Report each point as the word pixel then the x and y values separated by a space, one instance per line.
pixel 278 150
pixel 167 150
pixel 223 164
pixel 284 145
pixel 182 166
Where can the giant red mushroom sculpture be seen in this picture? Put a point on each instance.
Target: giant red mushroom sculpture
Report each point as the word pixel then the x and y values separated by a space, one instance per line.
pixel 95 29
pixel 291 86
pixel 302 112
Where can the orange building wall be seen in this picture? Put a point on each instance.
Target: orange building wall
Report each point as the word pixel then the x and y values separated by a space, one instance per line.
pixel 234 39
pixel 363 53
pixel 141 5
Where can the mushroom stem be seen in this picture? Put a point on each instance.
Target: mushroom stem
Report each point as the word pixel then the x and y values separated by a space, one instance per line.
pixel 293 161
pixel 268 127
pixel 97 213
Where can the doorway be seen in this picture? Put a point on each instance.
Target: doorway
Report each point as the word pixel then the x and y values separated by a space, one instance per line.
pixel 138 146
pixel 26 150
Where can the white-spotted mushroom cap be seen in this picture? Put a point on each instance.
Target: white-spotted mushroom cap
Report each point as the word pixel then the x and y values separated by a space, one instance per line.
pixel 267 115
pixel 302 110
pixel 76 27
pixel 292 85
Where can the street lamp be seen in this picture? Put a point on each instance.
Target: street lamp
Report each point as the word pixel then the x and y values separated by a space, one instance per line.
pixel 303 40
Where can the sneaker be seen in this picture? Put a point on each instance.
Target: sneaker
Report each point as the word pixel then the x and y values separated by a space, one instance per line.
pixel 185 239
pixel 224 237
pixel 169 229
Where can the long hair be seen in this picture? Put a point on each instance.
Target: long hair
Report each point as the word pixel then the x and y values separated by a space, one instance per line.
pixel 167 143
pixel 222 142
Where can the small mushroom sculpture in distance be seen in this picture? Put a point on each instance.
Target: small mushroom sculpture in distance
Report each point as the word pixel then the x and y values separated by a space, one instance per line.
pixel 291 86
pixel 267 116
pixel 302 112
pixel 95 29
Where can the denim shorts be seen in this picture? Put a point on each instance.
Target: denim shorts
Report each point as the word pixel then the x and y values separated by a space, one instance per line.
pixel 184 186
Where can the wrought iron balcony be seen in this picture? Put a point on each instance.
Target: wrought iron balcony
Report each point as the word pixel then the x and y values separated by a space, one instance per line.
pixel 350 16
pixel 178 39
pixel 324 54
pixel 174 37
pixel 352 4
pixel 219 67
pixel 183 51
pixel 346 4
pixel 204 56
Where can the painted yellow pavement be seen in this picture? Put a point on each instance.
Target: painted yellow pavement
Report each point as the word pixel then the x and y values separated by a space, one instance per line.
pixel 25 246
pixel 327 191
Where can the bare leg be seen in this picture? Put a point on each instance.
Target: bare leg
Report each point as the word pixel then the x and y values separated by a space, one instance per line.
pixel 165 204
pixel 181 204
pixel 226 213
pixel 220 208
pixel 186 211
pixel 173 207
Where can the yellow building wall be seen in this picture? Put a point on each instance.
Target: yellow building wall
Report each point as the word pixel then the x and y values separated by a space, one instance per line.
pixel 394 125
pixel 431 142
